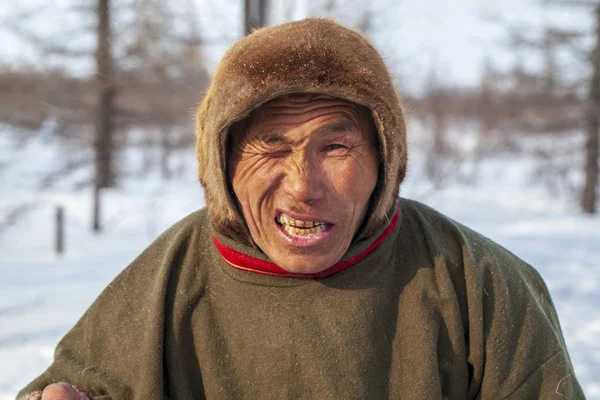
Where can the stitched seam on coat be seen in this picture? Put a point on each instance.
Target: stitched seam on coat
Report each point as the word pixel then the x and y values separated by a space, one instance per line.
pixel 532 372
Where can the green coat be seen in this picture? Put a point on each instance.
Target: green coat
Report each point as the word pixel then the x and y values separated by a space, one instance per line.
pixel 435 311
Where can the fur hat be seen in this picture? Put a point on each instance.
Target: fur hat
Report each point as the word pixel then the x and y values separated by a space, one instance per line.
pixel 309 56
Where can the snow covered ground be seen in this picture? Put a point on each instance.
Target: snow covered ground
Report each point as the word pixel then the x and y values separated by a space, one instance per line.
pixel 42 295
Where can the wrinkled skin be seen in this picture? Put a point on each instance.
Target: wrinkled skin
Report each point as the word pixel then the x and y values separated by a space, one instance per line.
pixel 309 158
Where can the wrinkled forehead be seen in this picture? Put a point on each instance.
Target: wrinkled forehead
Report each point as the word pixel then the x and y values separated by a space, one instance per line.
pixel 297 99
pixel 303 106
pixel 301 102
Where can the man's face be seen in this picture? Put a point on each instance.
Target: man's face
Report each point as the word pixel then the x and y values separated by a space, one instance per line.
pixel 303 169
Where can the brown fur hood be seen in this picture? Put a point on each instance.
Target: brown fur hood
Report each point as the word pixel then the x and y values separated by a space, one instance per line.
pixel 310 56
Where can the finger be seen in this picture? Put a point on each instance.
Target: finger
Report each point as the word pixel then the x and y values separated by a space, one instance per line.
pixel 60 391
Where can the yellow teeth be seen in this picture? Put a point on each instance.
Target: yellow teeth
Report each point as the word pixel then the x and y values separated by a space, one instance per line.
pixel 304 231
pixel 300 228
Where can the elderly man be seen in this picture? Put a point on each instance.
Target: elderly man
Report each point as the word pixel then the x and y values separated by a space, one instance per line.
pixel 307 276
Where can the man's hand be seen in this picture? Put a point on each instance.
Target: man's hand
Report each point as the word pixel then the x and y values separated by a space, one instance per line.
pixel 62 391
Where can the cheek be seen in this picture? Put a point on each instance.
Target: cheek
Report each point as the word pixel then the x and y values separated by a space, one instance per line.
pixel 252 180
pixel 353 180
pixel 249 175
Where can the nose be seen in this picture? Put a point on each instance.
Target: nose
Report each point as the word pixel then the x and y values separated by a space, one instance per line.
pixel 303 180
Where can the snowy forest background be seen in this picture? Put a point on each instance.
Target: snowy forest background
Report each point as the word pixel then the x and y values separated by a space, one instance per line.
pixel 96 129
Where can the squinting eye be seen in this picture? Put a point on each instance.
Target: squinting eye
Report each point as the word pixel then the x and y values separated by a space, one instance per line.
pixel 335 146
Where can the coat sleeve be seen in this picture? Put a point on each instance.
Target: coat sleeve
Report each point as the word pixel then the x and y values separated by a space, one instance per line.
pixel 115 351
pixel 516 346
pixel 554 370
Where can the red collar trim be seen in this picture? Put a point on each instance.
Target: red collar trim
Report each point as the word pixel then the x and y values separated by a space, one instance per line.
pixel 245 262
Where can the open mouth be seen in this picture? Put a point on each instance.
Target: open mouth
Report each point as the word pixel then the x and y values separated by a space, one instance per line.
pixel 299 228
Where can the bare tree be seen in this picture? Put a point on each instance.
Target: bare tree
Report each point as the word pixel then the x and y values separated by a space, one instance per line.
pixel 255 12
pixel 103 143
pixel 592 151
pixel 434 111
pixel 148 73
pixel 161 74
pixel 552 101
pixel 591 105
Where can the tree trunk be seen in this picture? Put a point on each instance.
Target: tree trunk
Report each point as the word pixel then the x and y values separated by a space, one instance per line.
pixel 104 108
pixel 592 146
pixel 165 151
pixel 96 223
pixel 59 242
pixel 255 14
pixel 438 154
pixel 103 143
